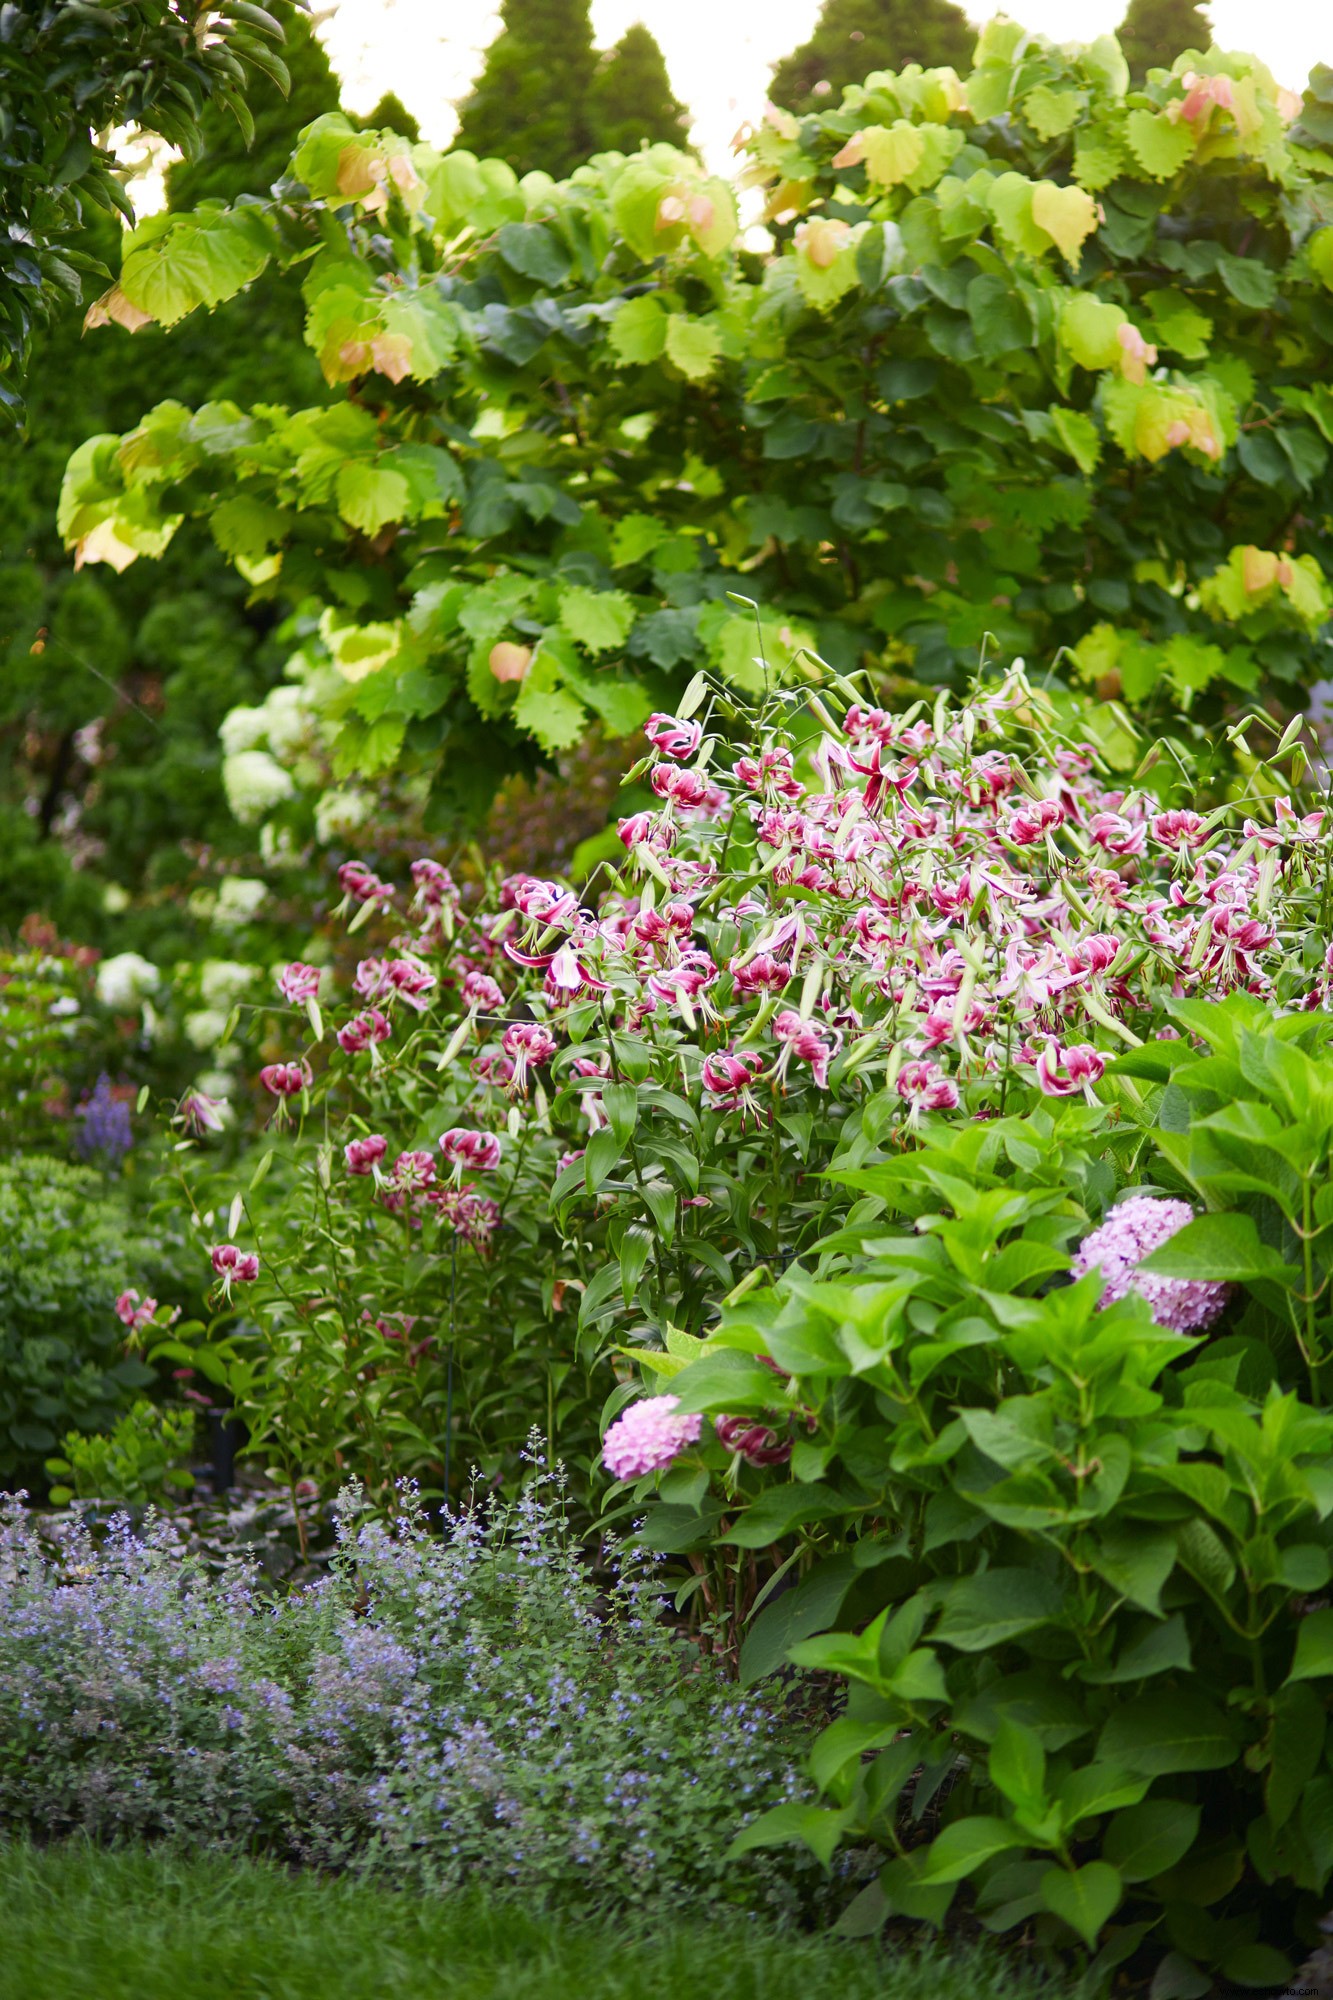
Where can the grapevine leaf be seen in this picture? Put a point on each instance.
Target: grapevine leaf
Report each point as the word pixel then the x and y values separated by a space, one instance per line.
pixel 1067 214
pixel 693 345
pixel 370 496
pixel 598 620
pixel 546 710
pixel 639 329
pixel 1160 147
pixel 1051 112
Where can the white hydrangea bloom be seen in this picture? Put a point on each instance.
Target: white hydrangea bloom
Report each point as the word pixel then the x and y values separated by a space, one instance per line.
pixel 286 715
pixel 126 980
pixel 340 813
pixel 222 981
pixel 254 783
pixel 239 896
pixel 242 729
pixel 204 1028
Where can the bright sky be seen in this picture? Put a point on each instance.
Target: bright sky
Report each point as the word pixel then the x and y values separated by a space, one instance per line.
pixel 719 52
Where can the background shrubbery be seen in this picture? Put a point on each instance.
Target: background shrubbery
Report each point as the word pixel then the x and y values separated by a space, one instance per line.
pixel 1028 366
pixel 68 1248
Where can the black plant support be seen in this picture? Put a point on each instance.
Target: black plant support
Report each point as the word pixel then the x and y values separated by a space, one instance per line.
pixel 449 1367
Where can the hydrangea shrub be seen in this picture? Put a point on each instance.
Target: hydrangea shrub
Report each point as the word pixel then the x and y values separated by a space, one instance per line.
pixel 1063 1522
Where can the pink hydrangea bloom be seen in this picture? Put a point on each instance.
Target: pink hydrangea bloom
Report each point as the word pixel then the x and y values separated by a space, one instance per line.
pixel 647 1437
pixel 1131 1232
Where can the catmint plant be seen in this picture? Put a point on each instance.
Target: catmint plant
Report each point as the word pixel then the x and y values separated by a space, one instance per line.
pixel 456 1702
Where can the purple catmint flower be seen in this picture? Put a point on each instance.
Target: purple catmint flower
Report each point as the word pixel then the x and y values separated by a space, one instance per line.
pixel 648 1436
pixel 106 1126
pixel 1131 1232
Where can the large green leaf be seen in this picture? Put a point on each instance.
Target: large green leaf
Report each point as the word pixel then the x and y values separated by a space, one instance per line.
pixel 987 1610
pixel 1161 1733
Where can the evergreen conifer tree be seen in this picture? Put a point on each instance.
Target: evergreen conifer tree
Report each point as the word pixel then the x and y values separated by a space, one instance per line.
pixel 390 115
pixel 1154 32
pixel 853 37
pixel 632 99
pixel 530 105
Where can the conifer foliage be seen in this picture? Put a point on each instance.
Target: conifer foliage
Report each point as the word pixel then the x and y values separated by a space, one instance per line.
pixel 632 98
pixel 529 106
pixel 1154 32
pixel 853 38
pixel 544 99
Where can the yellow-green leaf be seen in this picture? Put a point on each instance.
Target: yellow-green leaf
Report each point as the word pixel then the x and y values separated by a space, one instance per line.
pixel 1067 214
pixel 1098 159
pixel 1079 436
pixel 1088 330
pixel 546 711
pixel 891 153
pixel 597 620
pixel 1011 206
pixel 370 496
pixel 638 331
pixel 693 345
pixel 1051 112
pixel 1320 252
pixel 1160 147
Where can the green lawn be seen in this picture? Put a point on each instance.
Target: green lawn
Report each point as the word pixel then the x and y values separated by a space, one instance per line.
pixel 77 1923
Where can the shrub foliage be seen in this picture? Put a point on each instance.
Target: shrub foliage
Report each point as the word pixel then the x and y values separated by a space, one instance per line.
pixel 1033 362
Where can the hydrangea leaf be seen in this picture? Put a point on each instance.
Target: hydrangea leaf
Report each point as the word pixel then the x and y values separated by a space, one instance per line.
pixel 1247 280
pixel 1084 1898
